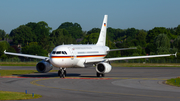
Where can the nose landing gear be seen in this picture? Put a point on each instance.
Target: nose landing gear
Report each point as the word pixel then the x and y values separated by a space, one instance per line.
pixel 62 72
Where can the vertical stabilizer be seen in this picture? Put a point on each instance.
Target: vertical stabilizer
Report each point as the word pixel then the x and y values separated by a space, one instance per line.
pixel 102 35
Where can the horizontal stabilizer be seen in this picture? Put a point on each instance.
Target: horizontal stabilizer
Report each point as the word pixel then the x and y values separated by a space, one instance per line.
pixel 121 49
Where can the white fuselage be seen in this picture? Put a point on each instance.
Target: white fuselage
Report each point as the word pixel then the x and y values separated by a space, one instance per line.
pixel 75 55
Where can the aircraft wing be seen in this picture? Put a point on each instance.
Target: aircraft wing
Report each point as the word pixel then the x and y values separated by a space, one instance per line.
pixel 127 58
pixel 121 49
pixel 26 55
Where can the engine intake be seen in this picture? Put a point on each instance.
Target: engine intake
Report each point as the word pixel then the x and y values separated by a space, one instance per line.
pixel 43 67
pixel 103 67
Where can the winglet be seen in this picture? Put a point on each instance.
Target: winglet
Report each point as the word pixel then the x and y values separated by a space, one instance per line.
pixel 175 54
pixel 4 51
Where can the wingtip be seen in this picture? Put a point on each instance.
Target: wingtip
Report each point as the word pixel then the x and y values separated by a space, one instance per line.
pixel 4 51
pixel 175 54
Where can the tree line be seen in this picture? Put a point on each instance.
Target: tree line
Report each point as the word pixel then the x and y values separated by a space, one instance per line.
pixel 39 39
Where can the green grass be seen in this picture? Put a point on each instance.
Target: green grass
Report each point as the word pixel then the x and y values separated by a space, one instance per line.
pixel 174 82
pixel 18 63
pixel 19 72
pixel 113 64
pixel 145 64
pixel 6 95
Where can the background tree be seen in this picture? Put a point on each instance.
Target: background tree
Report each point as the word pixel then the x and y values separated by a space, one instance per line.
pixel 91 38
pixel 178 30
pixel 176 43
pixel 74 30
pixel 34 49
pixel 162 43
pixel 152 34
pixel 141 37
pixel 61 36
pixel 94 30
pixel 41 32
pixel 4 45
pixel 112 45
pixel 22 35
pixel 2 34
pixel 138 51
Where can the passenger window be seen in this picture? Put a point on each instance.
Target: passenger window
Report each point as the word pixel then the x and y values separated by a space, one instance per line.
pixel 58 52
pixel 63 52
pixel 53 52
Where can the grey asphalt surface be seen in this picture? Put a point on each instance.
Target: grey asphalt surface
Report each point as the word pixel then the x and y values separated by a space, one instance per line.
pixel 81 84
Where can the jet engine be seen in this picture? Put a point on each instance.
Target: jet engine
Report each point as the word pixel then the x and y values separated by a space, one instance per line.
pixel 43 67
pixel 103 67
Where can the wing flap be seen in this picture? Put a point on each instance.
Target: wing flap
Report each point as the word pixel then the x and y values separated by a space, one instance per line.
pixel 138 57
pixel 26 55
pixel 94 60
pixel 126 58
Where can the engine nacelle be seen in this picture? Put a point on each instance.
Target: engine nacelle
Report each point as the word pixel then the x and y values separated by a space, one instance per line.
pixel 43 67
pixel 103 67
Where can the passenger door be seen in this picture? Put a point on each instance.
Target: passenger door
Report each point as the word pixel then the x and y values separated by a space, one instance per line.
pixel 72 53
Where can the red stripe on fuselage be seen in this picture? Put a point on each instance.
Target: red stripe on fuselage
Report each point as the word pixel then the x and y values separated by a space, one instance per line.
pixel 89 56
pixel 81 56
pixel 61 56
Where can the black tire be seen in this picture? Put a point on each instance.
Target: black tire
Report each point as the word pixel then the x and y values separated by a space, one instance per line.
pixel 59 72
pixel 60 75
pixel 102 75
pixel 98 74
pixel 65 73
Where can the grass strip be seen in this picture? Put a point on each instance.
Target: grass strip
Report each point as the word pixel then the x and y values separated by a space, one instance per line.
pixel 18 63
pixel 113 64
pixel 19 72
pixel 174 82
pixel 145 64
pixel 6 95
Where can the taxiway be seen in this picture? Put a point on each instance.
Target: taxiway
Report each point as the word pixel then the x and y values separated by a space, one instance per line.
pixel 122 83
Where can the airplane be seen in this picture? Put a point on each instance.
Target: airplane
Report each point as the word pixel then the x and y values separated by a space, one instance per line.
pixel 87 55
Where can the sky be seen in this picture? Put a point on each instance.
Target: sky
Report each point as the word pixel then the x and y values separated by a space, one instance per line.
pixel 123 14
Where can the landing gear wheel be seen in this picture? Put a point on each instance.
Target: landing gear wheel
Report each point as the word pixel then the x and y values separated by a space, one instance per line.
pixel 102 75
pixel 59 72
pixel 62 73
pixel 98 74
pixel 65 72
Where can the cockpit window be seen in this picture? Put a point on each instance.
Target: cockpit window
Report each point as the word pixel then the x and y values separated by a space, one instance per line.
pixel 58 52
pixel 53 52
pixel 65 52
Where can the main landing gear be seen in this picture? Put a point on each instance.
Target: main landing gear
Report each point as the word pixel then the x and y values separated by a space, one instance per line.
pixel 99 74
pixel 62 72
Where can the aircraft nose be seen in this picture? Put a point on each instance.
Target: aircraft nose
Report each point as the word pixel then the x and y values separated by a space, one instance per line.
pixel 53 61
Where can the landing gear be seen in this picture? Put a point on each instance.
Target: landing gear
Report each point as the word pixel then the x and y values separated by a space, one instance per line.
pixel 62 72
pixel 100 74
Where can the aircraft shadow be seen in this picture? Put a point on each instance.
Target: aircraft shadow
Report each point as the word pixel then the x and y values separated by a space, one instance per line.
pixel 47 75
